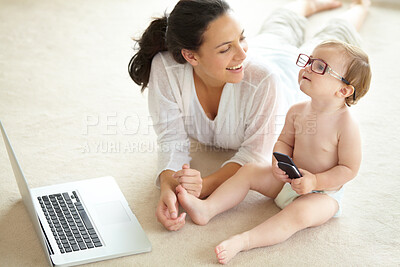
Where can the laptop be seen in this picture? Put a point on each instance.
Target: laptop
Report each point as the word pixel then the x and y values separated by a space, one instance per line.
pixel 80 222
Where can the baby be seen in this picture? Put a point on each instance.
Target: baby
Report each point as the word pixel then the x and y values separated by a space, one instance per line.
pixel 322 138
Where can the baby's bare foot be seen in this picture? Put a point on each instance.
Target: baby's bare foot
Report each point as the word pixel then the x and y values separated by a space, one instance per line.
pixel 229 248
pixel 315 6
pixel 195 207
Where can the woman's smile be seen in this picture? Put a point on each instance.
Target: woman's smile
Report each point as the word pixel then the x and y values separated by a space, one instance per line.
pixel 236 69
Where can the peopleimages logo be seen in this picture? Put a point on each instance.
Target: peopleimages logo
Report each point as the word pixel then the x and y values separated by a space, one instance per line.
pixel 102 129
pixel 114 123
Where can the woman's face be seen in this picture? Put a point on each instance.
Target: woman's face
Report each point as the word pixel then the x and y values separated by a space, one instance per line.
pixel 220 58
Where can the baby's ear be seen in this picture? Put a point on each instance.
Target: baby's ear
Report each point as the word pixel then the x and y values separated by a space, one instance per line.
pixel 345 91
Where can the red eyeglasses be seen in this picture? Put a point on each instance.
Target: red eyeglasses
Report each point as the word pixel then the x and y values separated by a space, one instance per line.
pixel 320 67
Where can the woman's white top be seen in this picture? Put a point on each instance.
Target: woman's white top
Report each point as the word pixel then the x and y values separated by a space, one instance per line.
pixel 250 114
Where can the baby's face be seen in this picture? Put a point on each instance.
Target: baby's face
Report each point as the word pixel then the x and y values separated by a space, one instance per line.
pixel 325 85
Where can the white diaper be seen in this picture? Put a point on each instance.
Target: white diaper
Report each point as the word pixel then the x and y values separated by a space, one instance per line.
pixel 288 195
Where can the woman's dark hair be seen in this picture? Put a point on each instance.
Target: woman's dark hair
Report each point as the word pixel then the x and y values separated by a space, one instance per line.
pixel 182 29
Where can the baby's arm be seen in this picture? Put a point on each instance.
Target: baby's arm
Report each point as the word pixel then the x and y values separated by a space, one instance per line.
pixel 349 158
pixel 285 144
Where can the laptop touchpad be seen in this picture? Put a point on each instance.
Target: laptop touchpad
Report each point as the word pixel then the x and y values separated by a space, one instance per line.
pixel 111 213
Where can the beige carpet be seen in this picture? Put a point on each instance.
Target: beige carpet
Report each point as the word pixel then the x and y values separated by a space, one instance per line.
pixel 72 112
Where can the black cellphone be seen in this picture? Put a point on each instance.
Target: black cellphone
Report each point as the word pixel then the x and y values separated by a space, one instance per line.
pixel 290 170
pixel 286 164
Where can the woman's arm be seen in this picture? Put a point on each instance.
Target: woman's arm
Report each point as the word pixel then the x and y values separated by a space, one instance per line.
pixel 172 139
pixel 200 187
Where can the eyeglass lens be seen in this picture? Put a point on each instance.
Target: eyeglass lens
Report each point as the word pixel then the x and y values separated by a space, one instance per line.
pixel 318 66
pixel 302 60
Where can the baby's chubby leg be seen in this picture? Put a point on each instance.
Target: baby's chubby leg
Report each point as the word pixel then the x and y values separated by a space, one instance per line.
pixel 251 176
pixel 226 196
pixel 306 211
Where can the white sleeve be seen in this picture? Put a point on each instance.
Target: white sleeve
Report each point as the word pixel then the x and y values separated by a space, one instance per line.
pixel 264 120
pixel 166 114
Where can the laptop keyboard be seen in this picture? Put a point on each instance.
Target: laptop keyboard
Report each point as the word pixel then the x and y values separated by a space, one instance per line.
pixel 69 222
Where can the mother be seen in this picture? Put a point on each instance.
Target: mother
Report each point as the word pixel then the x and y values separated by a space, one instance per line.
pixel 201 86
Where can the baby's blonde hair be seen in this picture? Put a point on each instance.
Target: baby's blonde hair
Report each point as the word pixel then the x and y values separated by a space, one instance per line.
pixel 358 72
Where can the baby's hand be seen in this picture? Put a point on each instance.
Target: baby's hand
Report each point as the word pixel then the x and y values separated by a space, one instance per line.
pixel 280 174
pixel 190 179
pixel 305 184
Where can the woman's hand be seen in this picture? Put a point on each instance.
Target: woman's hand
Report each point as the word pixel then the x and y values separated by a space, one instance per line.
pixel 280 174
pixel 190 179
pixel 304 184
pixel 167 208
pixel 167 212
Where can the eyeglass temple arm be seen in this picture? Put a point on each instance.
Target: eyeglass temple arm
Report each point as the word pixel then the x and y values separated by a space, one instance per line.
pixel 337 76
